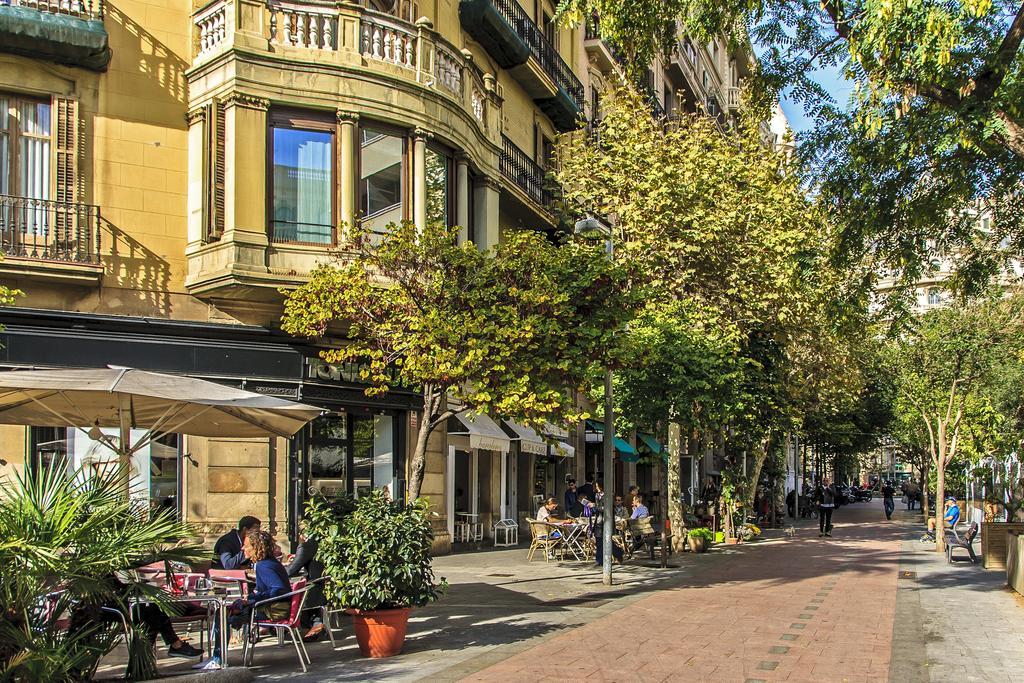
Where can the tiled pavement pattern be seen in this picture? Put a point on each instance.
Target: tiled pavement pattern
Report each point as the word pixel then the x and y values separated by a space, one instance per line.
pixel 799 608
pixel 804 609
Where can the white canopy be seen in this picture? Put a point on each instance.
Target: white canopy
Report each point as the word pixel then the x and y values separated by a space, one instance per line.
pixel 482 432
pixel 127 398
pixel 529 440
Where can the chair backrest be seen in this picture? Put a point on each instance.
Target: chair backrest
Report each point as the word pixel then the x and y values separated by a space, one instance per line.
pixel 297 601
pixel 642 526
pixel 233 577
pixel 972 531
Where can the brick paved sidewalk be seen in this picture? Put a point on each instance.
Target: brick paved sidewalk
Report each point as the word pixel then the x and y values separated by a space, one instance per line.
pixel 800 609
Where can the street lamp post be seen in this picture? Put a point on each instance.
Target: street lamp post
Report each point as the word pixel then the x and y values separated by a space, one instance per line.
pixel 591 225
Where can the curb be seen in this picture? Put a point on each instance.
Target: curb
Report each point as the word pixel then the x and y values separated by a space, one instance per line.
pixel 233 675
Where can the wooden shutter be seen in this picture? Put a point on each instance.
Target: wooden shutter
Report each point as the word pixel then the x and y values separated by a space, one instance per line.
pixel 68 222
pixel 215 171
pixel 66 143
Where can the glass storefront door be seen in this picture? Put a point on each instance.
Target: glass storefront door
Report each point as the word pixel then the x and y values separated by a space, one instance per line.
pixel 344 453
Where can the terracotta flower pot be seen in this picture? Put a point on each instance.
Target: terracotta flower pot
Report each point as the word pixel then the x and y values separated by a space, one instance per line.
pixel 380 633
pixel 731 541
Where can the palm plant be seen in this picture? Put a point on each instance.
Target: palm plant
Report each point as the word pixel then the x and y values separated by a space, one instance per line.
pixel 67 542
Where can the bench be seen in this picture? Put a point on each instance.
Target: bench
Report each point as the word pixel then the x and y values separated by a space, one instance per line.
pixel 953 540
pixel 643 533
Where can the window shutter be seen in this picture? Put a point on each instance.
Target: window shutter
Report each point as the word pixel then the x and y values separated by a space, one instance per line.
pixel 66 143
pixel 67 218
pixel 215 172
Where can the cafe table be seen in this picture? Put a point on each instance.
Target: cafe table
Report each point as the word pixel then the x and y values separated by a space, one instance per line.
pixel 573 536
pixel 215 599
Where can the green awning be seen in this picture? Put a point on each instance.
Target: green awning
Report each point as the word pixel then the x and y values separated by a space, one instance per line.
pixel 651 443
pixel 626 452
pixel 56 37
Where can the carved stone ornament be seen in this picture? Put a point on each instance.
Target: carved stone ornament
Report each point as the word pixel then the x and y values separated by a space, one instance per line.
pixel 347 116
pixel 197 115
pixel 239 99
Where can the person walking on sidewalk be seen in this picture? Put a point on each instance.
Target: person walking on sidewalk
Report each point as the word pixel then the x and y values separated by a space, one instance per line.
pixel 888 499
pixel 826 503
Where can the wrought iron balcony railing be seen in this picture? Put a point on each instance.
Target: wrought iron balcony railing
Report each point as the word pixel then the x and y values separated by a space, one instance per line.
pixel 83 9
pixel 527 174
pixel 49 230
pixel 542 49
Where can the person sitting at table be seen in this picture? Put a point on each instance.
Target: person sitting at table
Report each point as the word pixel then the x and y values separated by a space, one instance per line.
pixel 620 510
pixel 639 509
pixel 305 559
pixel 228 553
pixel 547 511
pixel 271 582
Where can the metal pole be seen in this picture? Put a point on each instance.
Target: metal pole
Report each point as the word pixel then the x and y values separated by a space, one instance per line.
pixel 609 479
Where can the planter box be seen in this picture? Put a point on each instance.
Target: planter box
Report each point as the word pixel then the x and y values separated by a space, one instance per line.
pixel 1015 561
pixel 994 542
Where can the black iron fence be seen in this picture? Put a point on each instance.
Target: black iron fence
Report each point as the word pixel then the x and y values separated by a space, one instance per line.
pixel 517 166
pixel 49 230
pixel 542 49
pixel 85 9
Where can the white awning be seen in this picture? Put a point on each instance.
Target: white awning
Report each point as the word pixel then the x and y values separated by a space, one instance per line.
pixel 482 432
pixel 529 440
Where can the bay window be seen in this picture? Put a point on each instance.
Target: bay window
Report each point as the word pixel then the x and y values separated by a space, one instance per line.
pixel 302 180
pixel 382 182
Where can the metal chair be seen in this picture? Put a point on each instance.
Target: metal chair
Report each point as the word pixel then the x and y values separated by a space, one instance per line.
pixel 290 625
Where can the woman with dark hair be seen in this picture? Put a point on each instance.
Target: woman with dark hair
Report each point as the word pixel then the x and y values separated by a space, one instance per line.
pixel 271 582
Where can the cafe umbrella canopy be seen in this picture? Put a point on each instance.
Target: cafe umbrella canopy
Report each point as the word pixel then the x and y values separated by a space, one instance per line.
pixel 126 398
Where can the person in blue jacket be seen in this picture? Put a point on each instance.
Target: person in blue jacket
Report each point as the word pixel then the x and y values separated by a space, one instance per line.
pixel 271 582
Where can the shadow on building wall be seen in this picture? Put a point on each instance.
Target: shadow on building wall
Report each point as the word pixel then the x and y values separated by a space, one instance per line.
pixel 143 273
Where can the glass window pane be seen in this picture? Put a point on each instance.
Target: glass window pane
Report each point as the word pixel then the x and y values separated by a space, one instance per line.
pixel 362 454
pixel 328 449
pixel 303 186
pixel 437 188
pixel 380 181
pixel 163 473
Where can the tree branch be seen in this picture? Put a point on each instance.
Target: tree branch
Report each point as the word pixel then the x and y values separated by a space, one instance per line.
pixel 992 73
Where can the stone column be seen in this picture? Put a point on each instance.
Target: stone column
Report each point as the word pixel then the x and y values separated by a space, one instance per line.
pixel 419 177
pixel 462 190
pixel 245 181
pixel 485 220
pixel 197 155
pixel 348 168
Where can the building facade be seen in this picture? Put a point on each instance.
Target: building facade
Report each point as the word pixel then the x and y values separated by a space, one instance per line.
pixel 168 169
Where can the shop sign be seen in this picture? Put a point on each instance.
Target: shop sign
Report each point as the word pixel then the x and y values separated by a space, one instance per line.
pixel 343 373
pixel 291 393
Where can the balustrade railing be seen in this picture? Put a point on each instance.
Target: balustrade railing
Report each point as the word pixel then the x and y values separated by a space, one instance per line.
pixel 84 9
pixel 447 70
pixel 49 230
pixel 732 97
pixel 304 24
pixel 527 174
pixel 211 28
pixel 388 41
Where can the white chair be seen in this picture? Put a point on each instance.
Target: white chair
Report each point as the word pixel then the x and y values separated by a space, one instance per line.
pixel 506 533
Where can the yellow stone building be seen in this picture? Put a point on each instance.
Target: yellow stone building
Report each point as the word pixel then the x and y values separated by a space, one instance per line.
pixel 166 169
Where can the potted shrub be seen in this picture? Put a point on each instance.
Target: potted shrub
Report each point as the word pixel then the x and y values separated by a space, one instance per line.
pixel 719 537
pixel 699 539
pixel 378 559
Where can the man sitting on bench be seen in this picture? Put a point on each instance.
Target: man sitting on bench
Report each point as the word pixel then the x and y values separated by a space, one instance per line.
pixel 950 518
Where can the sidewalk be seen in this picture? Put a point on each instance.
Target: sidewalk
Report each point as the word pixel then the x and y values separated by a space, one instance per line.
pixel 869 604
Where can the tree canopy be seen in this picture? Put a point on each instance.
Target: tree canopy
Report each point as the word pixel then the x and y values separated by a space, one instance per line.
pixel 511 332
pixel 933 134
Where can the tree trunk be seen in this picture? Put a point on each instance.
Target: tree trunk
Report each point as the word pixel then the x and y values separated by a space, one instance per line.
pixel 675 487
pixel 418 463
pixel 940 492
pixel 760 455
pixel 924 486
pixel 1014 138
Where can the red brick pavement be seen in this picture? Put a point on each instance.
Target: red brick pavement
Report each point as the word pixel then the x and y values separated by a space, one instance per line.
pixel 800 609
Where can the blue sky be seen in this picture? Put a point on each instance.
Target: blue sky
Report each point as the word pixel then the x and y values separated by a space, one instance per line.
pixel 833 82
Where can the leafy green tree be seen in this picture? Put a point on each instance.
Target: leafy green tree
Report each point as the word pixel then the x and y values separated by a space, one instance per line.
pixel 65 535
pixel 934 129
pixel 942 367
pixel 745 319
pixel 509 332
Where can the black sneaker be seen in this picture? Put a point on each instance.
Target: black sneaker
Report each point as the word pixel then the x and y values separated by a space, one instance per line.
pixel 186 651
